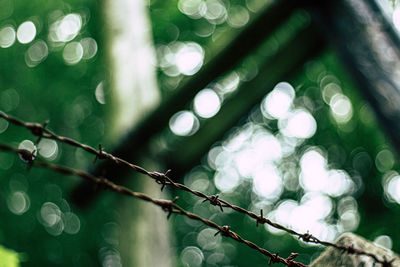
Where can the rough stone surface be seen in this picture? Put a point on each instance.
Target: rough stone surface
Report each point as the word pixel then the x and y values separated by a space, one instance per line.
pixel 332 257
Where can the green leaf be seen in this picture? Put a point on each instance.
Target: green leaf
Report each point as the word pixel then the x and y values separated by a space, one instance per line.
pixel 8 257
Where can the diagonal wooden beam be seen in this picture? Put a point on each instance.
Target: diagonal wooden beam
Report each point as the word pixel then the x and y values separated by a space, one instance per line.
pixel 306 44
pixel 370 49
pixel 249 38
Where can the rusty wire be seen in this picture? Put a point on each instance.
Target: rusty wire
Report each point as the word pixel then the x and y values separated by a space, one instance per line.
pixel 162 178
pixel 167 205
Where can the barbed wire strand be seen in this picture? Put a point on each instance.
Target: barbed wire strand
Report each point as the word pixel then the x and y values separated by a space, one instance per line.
pixel 167 205
pixel 162 178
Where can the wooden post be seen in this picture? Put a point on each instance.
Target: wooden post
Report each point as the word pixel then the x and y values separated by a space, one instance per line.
pixel 333 257
pixel 134 93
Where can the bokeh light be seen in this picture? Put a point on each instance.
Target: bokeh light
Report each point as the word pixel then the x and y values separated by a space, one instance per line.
pixel 226 179
pixel 72 223
pixel 384 241
pixel 184 123
pixel 48 149
pixel 206 103
pixel 99 93
pixel 89 46
pixel 18 202
pixel 341 107
pixel 207 239
pixel 392 186
pixel 213 10
pixel 278 102
pixel 73 53
pixel 50 217
pixel 267 182
pixel 180 58
pixel 299 123
pixel 26 32
pixel 36 53
pixel 238 16
pixel 7 36
pixel 192 256
pixel 66 28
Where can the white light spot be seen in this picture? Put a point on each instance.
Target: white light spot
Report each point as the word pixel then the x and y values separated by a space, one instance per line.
pixel 51 218
pixel 207 239
pixel 50 214
pixel 338 183
pixel 341 108
pixel 278 102
pixel 192 256
pixel 73 53
pixel 110 257
pixel 238 16
pixel 313 171
pixel 316 177
pixel 299 123
pixel 89 46
pixel 36 53
pixel 245 163
pixel 48 148
pixel 212 156
pixel 71 222
pixel 7 36
pixel 226 179
pixel 66 29
pixel 316 205
pixel 26 32
pixel 329 91
pixel 18 202
pixel 266 147
pixel 214 11
pixel 346 204
pixel 184 123
pixel 228 83
pixel 189 58
pixel 99 93
pixel 206 103
pixel 267 183
pixel 384 241
pixel 282 214
pixel 349 221
pixel 392 189
pixel 190 7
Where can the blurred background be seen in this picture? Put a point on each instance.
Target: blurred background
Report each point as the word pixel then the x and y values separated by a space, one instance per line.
pixel 273 105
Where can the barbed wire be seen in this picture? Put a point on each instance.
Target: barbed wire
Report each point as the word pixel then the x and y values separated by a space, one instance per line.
pixel 162 178
pixel 167 205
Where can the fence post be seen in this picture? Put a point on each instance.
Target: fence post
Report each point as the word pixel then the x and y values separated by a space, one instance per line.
pixel 332 257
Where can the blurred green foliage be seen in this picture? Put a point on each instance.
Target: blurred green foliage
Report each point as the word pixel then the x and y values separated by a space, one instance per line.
pixel 9 258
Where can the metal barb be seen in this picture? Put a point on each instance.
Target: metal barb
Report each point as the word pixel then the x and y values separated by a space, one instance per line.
pixel 274 259
pixel 260 219
pixel 214 201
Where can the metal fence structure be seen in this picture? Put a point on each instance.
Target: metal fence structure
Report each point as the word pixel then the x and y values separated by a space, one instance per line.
pixel 169 206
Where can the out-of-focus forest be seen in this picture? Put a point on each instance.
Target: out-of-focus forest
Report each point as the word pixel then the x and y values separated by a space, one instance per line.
pixel 278 123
